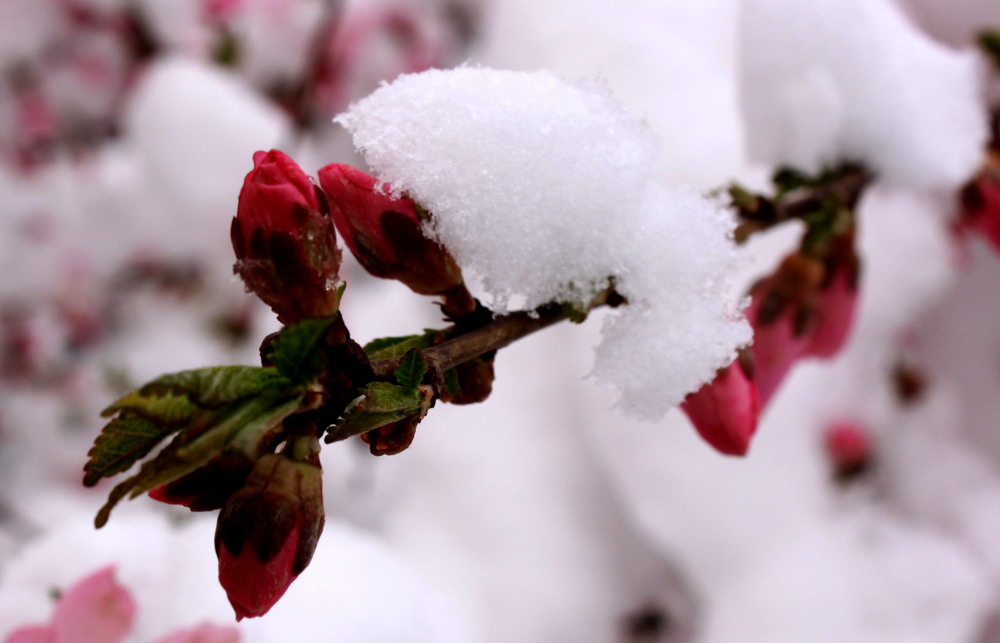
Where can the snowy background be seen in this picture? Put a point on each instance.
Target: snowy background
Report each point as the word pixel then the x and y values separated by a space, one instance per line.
pixel 126 128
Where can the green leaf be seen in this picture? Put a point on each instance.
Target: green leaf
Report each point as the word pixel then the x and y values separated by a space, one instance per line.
pixel 392 347
pixel 412 369
pixel 164 397
pixel 297 351
pixel 122 442
pixel 248 420
pixel 166 405
pixel 381 404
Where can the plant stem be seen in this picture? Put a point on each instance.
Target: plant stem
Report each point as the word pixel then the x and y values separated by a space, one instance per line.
pixel 501 332
pixel 847 189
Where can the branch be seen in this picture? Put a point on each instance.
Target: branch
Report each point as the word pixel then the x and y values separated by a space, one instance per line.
pixel 761 213
pixel 501 332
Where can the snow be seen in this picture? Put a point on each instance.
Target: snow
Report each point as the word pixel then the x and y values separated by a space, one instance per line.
pixel 827 82
pixel 545 190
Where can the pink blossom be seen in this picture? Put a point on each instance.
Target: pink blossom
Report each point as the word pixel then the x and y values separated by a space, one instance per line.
pixel 95 610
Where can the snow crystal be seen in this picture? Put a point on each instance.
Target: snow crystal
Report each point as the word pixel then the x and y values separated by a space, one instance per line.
pixel 545 190
pixel 823 82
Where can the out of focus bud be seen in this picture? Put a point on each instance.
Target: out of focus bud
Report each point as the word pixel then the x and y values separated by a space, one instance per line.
pixel 725 411
pixel 849 448
pixel 980 202
pixel 267 531
pixel 782 313
pixel 208 487
pixel 385 233
pixel 285 242
pixel 837 302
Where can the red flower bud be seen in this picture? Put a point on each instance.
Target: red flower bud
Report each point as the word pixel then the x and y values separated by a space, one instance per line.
pixel 980 201
pixel 838 300
pixel 267 532
pixel 208 487
pixel 782 313
pixel 849 448
pixel 725 411
pixel 384 233
pixel 285 242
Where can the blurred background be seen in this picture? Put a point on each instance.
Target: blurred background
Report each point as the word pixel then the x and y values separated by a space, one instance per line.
pixel 126 128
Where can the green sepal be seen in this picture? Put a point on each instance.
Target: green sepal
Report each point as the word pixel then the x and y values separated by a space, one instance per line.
pixel 380 403
pixel 246 421
pixel 392 347
pixel 165 406
pixel 411 369
pixel 297 351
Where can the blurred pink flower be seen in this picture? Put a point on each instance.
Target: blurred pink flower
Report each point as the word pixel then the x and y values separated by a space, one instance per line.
pixel 95 610
pixel 204 633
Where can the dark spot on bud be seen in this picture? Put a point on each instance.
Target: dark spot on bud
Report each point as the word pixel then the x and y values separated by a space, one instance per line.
pixel 771 307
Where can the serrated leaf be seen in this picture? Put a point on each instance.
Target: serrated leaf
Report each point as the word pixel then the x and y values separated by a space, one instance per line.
pixel 122 442
pixel 392 347
pixel 248 419
pixel 383 403
pixel 411 369
pixel 203 388
pixel 168 404
pixel 297 350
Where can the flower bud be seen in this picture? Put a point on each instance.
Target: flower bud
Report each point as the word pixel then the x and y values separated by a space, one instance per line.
pixel 208 487
pixel 782 314
pixel 267 532
pixel 849 449
pixel 285 242
pixel 836 304
pixel 980 202
pixel 384 233
pixel 725 411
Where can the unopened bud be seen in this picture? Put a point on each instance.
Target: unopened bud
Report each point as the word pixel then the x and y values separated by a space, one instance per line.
pixel 267 532
pixel 725 411
pixel 285 242
pixel 385 234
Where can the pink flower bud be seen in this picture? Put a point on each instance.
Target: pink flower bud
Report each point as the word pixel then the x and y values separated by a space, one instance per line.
pixel 284 240
pixel 384 233
pixel 31 634
pixel 849 448
pixel 838 299
pixel 782 313
pixel 267 532
pixel 725 410
pixel 981 206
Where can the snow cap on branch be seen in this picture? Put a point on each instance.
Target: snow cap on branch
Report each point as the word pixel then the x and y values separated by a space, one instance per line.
pixel 545 190
pixel 825 82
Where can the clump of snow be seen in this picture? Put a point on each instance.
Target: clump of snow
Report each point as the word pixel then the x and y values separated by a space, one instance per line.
pixel 545 190
pixel 823 82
